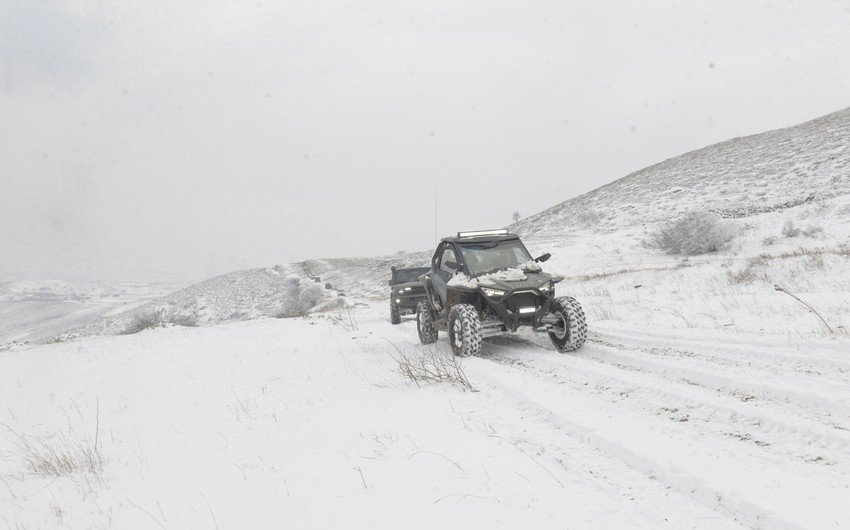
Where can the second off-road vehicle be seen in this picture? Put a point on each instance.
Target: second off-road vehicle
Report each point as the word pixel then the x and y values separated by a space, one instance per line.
pixel 405 291
pixel 486 282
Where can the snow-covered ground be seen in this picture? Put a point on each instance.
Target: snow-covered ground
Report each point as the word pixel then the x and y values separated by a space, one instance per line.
pixel 713 391
pixel 309 423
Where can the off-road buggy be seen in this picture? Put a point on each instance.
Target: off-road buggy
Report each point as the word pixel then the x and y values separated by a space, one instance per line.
pixel 485 283
pixel 405 291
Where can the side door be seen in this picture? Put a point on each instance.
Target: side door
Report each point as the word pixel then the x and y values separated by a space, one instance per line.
pixel 445 266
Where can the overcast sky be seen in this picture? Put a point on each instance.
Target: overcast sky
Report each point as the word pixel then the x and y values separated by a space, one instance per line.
pixel 195 137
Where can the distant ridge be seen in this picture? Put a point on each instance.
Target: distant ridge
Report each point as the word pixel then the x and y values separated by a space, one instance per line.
pixel 255 293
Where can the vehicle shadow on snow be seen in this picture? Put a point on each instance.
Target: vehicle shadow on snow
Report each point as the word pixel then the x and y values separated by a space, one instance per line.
pixel 514 345
pixel 500 345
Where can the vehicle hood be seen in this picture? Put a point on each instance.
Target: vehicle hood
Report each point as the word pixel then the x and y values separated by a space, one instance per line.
pixel 514 282
pixel 505 280
pixel 413 285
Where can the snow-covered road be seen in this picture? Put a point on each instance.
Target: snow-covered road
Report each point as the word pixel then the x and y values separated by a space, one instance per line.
pixel 308 423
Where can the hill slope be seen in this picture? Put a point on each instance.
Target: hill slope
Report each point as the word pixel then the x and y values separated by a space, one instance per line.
pixel 737 178
pixel 280 291
pixel 785 195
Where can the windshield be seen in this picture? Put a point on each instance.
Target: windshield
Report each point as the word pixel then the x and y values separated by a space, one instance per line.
pixel 409 275
pixel 488 257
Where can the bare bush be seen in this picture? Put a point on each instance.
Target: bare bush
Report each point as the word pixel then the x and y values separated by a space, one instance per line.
pixel 297 299
pixel 149 318
pixel 789 229
pixel 189 319
pixel 310 296
pixel 347 319
pixel 588 218
pixel 143 319
pixel 812 231
pixel 692 233
pixel 431 366
pixel 752 272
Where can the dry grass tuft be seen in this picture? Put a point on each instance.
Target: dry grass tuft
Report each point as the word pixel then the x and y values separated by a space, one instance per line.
pixel 56 456
pixel 431 366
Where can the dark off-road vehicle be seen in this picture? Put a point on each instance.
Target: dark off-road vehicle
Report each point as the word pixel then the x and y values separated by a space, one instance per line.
pixel 405 292
pixel 484 283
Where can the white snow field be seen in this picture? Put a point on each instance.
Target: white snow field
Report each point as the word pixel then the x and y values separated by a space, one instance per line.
pixel 705 397
pixel 309 423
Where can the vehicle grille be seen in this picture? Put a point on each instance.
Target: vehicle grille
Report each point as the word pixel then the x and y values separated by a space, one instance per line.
pixel 516 301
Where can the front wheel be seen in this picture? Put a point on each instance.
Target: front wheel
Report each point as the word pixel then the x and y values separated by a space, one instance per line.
pixel 425 324
pixel 395 315
pixel 464 330
pixel 570 332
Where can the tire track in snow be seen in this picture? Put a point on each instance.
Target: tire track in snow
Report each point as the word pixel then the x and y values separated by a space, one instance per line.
pixel 823 401
pixel 818 399
pixel 816 360
pixel 758 411
pixel 731 455
pixel 767 426
pixel 570 458
pixel 741 486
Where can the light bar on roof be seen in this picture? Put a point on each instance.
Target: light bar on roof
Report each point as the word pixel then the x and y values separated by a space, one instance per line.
pixel 479 233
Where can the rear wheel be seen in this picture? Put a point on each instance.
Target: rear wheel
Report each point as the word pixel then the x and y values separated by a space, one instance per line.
pixel 464 330
pixel 570 332
pixel 395 315
pixel 425 324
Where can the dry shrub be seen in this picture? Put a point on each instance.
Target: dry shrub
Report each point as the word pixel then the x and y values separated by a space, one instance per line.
pixel 748 274
pixel 148 318
pixel 431 366
pixel 789 229
pixel 692 233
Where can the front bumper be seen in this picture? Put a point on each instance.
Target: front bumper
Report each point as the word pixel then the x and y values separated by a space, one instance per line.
pixel 524 308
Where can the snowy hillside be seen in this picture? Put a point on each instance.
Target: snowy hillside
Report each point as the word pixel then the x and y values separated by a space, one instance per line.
pixel 784 194
pixel 242 295
pixel 280 291
pixel 739 178
pixel 364 276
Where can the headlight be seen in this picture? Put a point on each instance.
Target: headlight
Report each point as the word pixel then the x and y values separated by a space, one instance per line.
pixel 546 287
pixel 492 293
pixel 401 291
pixel 407 288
